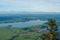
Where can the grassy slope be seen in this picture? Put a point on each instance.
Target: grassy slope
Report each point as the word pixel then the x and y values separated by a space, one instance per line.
pixel 6 34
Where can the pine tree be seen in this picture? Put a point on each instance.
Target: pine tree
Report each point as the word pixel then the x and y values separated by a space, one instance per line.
pixel 52 34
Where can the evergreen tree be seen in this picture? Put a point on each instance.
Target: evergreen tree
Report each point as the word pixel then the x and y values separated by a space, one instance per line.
pixel 52 34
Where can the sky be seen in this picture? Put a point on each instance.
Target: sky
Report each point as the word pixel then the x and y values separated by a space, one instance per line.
pixel 30 5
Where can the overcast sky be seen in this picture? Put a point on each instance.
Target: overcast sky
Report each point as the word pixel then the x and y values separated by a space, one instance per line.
pixel 30 5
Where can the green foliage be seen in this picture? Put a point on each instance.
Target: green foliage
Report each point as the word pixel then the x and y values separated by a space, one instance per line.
pixel 52 28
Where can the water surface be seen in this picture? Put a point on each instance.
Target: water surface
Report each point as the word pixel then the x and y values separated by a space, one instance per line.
pixel 24 24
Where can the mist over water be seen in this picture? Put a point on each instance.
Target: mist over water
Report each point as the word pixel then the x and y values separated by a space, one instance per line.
pixel 24 24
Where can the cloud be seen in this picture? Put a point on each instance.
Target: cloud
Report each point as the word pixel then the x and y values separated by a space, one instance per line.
pixel 30 5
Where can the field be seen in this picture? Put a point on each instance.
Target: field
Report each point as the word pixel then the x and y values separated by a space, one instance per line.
pixel 19 34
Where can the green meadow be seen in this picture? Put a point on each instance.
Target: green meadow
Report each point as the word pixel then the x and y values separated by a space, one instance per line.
pixel 18 34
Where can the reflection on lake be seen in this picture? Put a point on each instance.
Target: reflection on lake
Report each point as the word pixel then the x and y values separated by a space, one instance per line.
pixel 24 24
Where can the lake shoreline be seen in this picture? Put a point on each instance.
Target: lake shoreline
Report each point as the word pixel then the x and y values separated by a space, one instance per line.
pixel 24 24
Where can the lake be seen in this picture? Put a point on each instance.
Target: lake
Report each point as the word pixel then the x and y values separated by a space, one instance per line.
pixel 24 24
